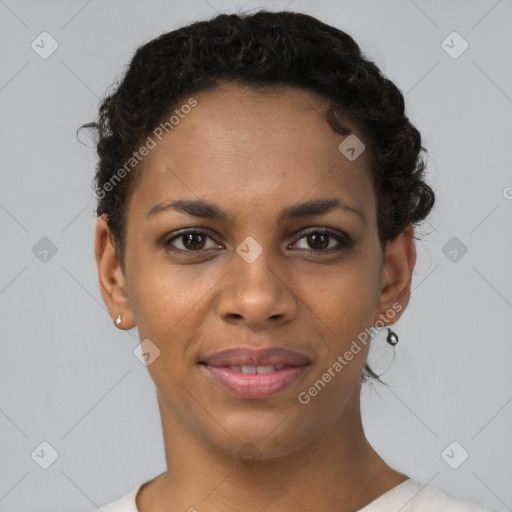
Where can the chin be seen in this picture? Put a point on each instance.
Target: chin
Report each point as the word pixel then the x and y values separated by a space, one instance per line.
pixel 258 435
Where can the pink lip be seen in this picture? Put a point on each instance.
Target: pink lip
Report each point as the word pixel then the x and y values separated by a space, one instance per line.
pixel 254 385
pixel 247 356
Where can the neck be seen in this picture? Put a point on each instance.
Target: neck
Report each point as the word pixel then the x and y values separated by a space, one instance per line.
pixel 339 471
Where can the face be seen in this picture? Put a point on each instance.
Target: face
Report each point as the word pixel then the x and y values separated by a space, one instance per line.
pixel 294 262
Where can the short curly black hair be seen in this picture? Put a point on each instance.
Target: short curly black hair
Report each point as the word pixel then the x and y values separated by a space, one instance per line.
pixel 261 50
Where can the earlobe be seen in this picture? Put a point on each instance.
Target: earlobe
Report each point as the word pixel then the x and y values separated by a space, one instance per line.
pixel 399 261
pixel 111 279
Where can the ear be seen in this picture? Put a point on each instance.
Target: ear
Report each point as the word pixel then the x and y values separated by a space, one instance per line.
pixel 111 279
pixel 396 277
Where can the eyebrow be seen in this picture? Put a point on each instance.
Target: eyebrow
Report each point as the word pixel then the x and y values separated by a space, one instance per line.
pixel 200 208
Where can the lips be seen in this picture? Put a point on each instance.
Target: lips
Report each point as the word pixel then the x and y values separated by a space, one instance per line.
pixel 255 373
pixel 268 356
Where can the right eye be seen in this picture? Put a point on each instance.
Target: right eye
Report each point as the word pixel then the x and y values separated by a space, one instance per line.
pixel 191 241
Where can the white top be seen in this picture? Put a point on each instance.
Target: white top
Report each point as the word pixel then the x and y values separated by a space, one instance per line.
pixel 409 496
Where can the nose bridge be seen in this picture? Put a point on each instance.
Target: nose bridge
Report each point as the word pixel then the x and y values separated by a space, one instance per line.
pixel 256 288
pixel 255 267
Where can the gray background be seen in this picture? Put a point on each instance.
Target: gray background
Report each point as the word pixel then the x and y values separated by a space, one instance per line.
pixel 70 378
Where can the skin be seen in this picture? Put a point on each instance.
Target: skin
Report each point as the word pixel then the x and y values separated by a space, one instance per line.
pixel 253 155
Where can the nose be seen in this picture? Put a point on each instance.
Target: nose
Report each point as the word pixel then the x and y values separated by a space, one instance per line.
pixel 257 294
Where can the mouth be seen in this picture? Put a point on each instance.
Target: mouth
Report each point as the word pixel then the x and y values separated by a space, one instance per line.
pixel 255 374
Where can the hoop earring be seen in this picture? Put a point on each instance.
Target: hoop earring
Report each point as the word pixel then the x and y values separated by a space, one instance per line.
pixel 392 337
pixel 118 320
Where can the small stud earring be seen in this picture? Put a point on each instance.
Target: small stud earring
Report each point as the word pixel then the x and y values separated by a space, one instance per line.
pixel 118 320
pixel 392 338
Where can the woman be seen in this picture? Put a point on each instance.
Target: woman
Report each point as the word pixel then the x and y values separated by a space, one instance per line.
pixel 258 188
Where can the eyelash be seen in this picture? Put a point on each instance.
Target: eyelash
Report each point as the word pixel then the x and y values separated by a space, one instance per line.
pixel 344 241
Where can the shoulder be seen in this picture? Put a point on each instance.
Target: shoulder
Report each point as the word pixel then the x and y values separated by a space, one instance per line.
pixel 124 504
pixel 412 496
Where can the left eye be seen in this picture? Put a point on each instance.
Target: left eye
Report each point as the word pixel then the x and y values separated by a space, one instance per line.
pixel 319 240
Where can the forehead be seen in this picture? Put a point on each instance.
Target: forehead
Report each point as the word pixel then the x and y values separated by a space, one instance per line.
pixel 238 143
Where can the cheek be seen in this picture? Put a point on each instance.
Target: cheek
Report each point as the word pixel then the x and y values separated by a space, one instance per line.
pixel 342 305
pixel 168 300
pixel 170 304
pixel 344 295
